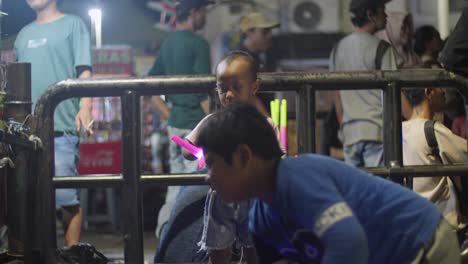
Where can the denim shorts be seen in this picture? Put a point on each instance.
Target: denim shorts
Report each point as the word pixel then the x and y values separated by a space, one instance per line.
pixel 66 160
pixel 179 164
pixel 364 154
pixel 225 224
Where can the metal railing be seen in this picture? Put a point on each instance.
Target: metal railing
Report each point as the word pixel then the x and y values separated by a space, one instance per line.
pixel 130 90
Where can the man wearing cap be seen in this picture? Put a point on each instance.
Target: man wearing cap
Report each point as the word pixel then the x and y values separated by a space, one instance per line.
pixel 256 39
pixel 183 53
pixel 362 109
pixel 256 30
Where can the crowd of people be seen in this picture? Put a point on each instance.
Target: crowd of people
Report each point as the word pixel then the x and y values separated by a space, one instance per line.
pixel 262 207
pixel 381 41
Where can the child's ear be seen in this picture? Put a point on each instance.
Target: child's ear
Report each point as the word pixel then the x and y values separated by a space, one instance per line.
pixel 244 154
pixel 370 16
pixel 255 86
pixel 427 92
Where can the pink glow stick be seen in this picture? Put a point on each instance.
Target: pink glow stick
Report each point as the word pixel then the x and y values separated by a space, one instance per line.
pixel 284 137
pixel 284 123
pixel 195 151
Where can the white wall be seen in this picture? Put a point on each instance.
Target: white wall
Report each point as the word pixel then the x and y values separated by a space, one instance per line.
pixel 425 12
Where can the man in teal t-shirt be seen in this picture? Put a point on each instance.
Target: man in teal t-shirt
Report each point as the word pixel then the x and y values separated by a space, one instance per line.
pixel 58 47
pixel 183 53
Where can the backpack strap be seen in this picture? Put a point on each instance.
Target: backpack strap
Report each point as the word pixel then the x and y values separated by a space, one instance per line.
pixel 431 138
pixel 333 56
pixel 381 49
pixel 461 193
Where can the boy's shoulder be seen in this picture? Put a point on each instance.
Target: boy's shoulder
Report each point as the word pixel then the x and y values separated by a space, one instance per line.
pixel 185 35
pixel 302 169
pixel 73 18
pixel 312 161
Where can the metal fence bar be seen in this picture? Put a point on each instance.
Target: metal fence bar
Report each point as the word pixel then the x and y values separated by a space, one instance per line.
pixel 132 89
pixel 89 181
pixel 305 113
pixel 132 219
pixel 175 179
pixel 311 121
pixel 17 106
pixel 421 171
pixel 270 82
pixel 199 179
pixel 392 127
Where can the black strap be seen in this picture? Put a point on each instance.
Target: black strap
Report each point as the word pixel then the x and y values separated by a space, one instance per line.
pixel 381 49
pixel 431 138
pixel 333 56
pixel 462 196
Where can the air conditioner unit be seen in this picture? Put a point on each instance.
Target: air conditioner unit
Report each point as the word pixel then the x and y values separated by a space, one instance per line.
pixel 310 16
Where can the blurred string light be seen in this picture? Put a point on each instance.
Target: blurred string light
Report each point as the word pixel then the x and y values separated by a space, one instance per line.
pixel 96 25
pixel 1 15
pixel 1 12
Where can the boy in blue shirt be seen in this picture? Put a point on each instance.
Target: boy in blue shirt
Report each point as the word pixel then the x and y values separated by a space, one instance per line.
pixel 313 209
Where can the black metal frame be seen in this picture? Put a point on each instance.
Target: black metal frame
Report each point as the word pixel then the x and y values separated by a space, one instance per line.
pixel 130 90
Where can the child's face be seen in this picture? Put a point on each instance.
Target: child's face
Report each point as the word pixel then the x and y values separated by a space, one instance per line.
pixel 229 180
pixel 234 82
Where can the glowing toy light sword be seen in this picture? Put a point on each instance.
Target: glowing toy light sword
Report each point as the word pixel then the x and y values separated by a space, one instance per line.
pixel 195 151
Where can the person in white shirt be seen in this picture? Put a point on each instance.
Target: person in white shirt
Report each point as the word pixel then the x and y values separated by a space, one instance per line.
pixel 452 149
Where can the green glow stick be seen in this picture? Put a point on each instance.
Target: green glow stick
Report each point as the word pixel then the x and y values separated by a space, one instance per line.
pixel 277 112
pixel 284 113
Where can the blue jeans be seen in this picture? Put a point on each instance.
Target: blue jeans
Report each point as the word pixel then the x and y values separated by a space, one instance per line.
pixel 364 154
pixel 178 165
pixel 66 161
pixel 178 242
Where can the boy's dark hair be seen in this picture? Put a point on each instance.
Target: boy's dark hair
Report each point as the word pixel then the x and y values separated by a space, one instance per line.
pixel 185 7
pixel 359 15
pixel 422 36
pixel 415 95
pixel 236 124
pixel 238 54
pixel 182 15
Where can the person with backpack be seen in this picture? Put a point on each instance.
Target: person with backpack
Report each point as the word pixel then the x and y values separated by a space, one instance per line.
pixel 428 142
pixel 399 33
pixel 362 121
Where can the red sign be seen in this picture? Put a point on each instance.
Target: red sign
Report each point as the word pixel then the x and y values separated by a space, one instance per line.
pixel 113 61
pixel 100 158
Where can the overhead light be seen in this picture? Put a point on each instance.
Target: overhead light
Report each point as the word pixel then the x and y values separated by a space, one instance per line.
pixel 95 13
pixel 96 24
